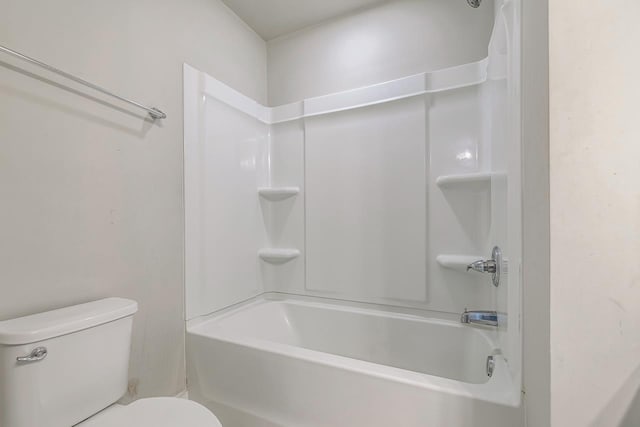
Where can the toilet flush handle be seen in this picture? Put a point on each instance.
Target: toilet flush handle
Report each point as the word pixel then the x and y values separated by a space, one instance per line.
pixel 36 355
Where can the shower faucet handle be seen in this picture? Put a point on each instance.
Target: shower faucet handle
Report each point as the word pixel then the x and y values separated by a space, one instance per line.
pixel 483 266
pixel 491 266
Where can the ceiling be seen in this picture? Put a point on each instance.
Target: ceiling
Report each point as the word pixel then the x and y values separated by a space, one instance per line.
pixel 273 18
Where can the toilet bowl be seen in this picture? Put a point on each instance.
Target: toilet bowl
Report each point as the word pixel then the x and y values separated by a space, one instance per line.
pixel 68 367
pixel 154 412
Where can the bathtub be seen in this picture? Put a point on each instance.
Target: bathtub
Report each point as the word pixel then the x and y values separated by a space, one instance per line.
pixel 289 362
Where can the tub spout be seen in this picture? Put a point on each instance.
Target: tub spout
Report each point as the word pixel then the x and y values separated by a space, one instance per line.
pixel 480 317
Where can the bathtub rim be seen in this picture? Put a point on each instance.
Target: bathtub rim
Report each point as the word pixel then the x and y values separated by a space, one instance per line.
pixel 285 296
pixel 499 389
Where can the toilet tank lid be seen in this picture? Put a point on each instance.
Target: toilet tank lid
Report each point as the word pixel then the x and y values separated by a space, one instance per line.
pixel 55 323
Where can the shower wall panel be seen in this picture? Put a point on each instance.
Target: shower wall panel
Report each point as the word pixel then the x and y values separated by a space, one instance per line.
pixel 366 203
pixel 285 219
pixel 224 227
pixel 459 214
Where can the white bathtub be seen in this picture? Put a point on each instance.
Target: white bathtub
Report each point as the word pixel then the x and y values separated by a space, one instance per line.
pixel 295 363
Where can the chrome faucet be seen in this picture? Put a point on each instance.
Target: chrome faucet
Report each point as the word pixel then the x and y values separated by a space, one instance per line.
pixel 492 266
pixel 480 317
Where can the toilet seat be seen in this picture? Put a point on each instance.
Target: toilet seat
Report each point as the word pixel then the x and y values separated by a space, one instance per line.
pixel 154 412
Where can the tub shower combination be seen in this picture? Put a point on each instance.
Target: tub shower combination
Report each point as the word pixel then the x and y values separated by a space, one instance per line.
pixel 353 259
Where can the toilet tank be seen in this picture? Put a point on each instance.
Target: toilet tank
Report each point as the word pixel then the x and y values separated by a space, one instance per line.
pixel 84 370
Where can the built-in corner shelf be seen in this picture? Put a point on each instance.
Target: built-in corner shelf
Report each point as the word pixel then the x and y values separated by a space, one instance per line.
pixel 478 180
pixel 457 262
pixel 278 256
pixel 275 194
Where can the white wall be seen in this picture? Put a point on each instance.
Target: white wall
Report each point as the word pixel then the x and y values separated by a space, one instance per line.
pixel 397 39
pixel 595 211
pixel 92 196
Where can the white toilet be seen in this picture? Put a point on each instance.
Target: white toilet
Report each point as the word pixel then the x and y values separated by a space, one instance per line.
pixel 67 367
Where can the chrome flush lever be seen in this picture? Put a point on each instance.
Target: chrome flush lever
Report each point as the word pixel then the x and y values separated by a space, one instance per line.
pixel 36 355
pixel 491 266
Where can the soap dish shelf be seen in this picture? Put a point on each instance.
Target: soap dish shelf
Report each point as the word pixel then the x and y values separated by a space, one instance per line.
pixel 278 256
pixel 479 180
pixel 276 194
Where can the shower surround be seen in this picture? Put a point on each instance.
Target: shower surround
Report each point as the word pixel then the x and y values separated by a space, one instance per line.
pixel 327 244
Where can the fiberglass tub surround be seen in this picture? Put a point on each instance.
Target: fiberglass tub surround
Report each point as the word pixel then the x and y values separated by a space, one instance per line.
pixel 327 244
